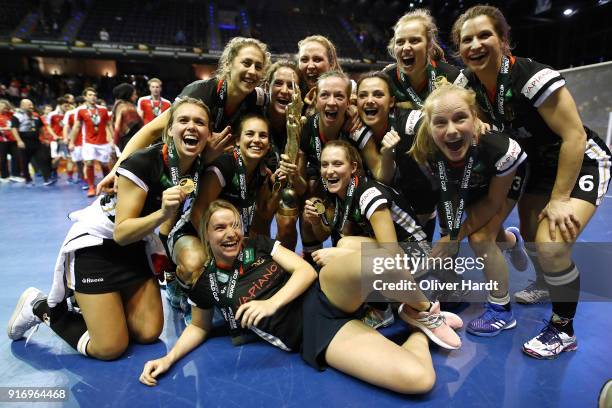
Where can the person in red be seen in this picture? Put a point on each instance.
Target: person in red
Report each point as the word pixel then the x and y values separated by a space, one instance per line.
pixel 125 117
pixel 92 124
pixel 75 151
pixel 59 147
pixel 150 107
pixel 10 143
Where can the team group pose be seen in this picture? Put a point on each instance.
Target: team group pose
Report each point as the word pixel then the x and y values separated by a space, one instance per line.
pixel 377 164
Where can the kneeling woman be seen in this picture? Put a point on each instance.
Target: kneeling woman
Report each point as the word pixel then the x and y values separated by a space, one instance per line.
pixel 482 174
pixel 108 255
pixel 366 211
pixel 322 321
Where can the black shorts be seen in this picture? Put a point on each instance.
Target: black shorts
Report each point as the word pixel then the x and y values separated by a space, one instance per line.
pixel 321 323
pixel 416 188
pixel 593 179
pixel 110 267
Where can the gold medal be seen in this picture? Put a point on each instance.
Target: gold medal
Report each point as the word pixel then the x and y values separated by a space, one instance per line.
pixel 319 206
pixel 276 187
pixel 186 185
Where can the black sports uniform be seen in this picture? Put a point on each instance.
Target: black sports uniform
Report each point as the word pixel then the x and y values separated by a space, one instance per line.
pixel 312 143
pixel 227 169
pixel 413 182
pixel 308 323
pixel 523 85
pixel 495 155
pixel 403 90
pixel 110 266
pixel 213 92
pixel 364 196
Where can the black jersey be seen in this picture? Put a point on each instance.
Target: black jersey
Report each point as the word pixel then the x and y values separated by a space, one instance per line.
pixel 404 121
pixel 259 279
pixel 226 168
pixel 400 83
pixel 368 196
pixel 147 169
pixel 213 93
pixel 312 143
pixel 528 85
pixel 496 156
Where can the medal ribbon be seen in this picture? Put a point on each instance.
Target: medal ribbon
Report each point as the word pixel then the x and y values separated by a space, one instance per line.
pixel 246 211
pixel 452 216
pixel 503 80
pixel 225 297
pixel 410 92
pixel 221 100
pixel 156 106
pixel 348 202
pixel 173 165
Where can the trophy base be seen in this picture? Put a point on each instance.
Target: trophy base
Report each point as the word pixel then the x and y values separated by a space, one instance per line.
pixel 287 212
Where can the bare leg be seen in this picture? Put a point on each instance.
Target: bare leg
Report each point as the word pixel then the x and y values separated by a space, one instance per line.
pixel 362 352
pixel 144 312
pixel 105 319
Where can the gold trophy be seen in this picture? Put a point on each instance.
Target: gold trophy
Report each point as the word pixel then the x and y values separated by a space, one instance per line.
pixel 289 200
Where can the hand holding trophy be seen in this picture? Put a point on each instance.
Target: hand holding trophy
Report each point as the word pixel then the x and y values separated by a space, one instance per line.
pixel 288 204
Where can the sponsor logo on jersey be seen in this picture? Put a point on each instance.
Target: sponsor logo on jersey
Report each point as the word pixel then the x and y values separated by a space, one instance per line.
pixel 411 122
pixel 367 197
pixel 92 280
pixel 511 156
pixel 536 82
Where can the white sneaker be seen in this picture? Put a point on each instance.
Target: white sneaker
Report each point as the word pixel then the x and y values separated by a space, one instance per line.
pixel 532 294
pixel 5 180
pixel 23 318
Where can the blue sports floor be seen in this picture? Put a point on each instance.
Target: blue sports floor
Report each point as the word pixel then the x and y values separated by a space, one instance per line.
pixel 485 372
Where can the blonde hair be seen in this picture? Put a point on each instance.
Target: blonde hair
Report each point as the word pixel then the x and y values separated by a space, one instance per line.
pixel 431 32
pixel 232 49
pixel 166 138
pixel 332 55
pixel 500 25
pixel 424 146
pixel 203 228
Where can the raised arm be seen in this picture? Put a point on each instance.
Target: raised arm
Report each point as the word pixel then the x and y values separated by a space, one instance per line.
pixel 129 226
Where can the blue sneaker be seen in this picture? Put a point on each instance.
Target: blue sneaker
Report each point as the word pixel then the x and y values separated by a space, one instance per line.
pixel 550 343
pixel 494 319
pixel 517 254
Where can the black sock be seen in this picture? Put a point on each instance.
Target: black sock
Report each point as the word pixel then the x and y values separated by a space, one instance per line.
pixel 429 228
pixel 70 326
pixel 539 275
pixel 564 290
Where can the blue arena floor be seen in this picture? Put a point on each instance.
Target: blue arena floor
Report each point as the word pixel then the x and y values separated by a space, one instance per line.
pixel 485 372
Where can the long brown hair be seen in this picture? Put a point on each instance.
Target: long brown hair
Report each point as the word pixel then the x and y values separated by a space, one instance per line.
pixel 232 49
pixel 500 25
pixel 351 152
